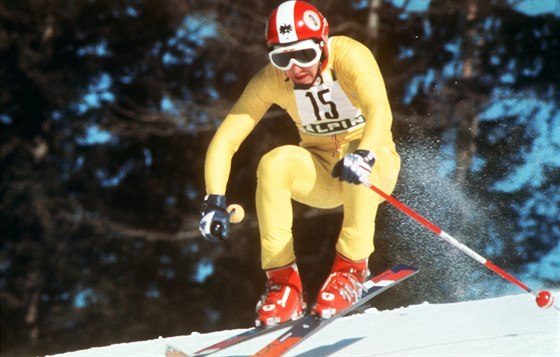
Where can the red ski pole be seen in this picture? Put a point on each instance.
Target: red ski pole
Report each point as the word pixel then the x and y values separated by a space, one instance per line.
pixel 544 298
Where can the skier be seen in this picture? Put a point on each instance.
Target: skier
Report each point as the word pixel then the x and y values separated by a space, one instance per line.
pixel 333 90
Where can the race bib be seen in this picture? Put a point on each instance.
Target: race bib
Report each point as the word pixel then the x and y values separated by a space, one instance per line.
pixel 325 109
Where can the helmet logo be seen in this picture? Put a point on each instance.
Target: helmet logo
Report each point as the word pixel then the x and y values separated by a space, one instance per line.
pixel 311 20
pixel 284 29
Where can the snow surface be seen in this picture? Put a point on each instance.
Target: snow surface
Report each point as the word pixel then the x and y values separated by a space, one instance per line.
pixel 506 326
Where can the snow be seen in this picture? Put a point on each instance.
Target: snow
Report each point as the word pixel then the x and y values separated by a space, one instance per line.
pixel 505 326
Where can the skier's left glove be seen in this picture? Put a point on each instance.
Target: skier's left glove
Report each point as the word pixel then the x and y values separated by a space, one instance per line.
pixel 214 224
pixel 355 167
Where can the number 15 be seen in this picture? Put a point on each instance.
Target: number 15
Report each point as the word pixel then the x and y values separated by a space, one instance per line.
pixel 332 113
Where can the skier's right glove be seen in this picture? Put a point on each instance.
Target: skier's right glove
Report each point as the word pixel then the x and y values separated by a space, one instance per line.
pixel 355 167
pixel 214 224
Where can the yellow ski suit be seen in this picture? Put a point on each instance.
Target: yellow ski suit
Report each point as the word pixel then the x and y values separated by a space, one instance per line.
pixel 348 110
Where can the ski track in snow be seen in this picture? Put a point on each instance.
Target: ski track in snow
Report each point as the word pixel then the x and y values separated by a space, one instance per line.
pixel 506 326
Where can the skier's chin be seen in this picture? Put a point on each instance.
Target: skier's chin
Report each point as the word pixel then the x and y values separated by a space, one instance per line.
pixel 304 81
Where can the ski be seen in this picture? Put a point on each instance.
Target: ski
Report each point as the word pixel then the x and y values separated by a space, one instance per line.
pixel 310 324
pixel 172 351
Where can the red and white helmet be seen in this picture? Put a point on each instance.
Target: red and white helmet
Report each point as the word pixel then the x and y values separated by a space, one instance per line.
pixel 295 21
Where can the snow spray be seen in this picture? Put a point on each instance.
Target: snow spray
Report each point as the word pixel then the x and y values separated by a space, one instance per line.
pixel 544 299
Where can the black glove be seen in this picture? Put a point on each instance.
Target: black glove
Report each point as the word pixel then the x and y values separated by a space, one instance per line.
pixel 214 224
pixel 354 168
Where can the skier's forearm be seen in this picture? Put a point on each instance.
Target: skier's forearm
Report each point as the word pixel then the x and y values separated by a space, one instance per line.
pixel 223 146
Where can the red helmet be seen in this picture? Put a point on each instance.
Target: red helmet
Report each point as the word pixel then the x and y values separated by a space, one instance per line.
pixel 295 21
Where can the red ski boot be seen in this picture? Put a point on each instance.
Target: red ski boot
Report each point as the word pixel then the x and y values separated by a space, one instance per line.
pixel 283 299
pixel 342 288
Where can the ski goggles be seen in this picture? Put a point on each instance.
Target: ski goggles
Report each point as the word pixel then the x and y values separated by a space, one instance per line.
pixel 304 54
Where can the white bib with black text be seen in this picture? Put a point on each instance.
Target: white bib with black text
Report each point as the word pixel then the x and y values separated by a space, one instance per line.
pixel 325 109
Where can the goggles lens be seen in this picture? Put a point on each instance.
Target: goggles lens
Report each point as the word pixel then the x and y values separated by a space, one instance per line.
pixel 302 54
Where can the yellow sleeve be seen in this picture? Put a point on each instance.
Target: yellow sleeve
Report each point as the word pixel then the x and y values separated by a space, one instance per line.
pixel 360 72
pixel 237 125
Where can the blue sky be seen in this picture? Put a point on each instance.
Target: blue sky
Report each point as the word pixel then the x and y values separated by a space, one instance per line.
pixel 539 7
pixel 530 7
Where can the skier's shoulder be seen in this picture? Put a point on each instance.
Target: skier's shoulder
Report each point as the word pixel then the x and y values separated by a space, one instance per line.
pixel 342 44
pixel 349 55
